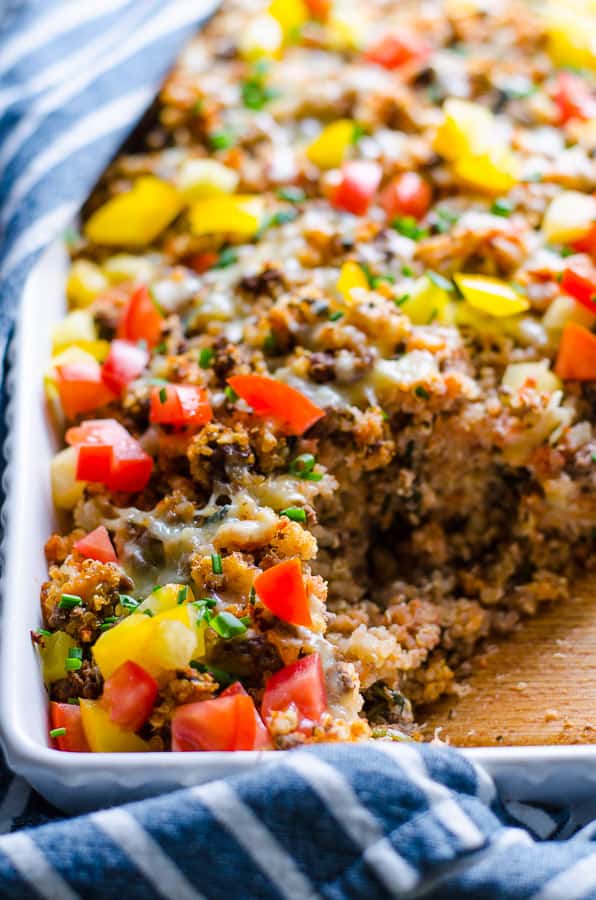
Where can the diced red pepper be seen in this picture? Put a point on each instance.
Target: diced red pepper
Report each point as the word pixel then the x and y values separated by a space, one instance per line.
pixel 281 589
pixel 81 388
pixel 574 98
pixel 68 716
pixel 576 360
pixel 141 319
pixel 202 262
pixel 123 364
pixel 393 51
pixel 407 195
pixel 97 545
pixel 360 179
pixel 129 696
pixel 110 455
pixel 180 404
pixel 581 285
pixel 300 686
pixel 226 723
pixel 291 409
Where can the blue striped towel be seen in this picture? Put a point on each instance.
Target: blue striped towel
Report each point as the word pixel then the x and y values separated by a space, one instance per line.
pixel 389 820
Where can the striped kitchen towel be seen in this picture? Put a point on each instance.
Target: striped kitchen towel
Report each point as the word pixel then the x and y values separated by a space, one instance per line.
pixel 385 820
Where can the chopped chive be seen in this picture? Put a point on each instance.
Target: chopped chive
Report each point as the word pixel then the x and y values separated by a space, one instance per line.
pixel 399 301
pixel 294 513
pixel 291 194
pixel 421 392
pixel 68 601
pixel 227 625
pixel 227 257
pixel 221 140
pixel 252 596
pixel 163 395
pixel 270 344
pixel 445 219
pixel 313 476
pixel 74 701
pixel 72 664
pixel 205 357
pixel 376 280
pixel 44 632
pixel 336 316
pixel 182 594
pixel 224 678
pixel 216 564
pixel 407 271
pixel 148 612
pixel 105 626
pixel 197 106
pixel 408 227
pixel 439 281
pixel 566 251
pixel 110 620
pixel 358 132
pixel 245 620
pixel 230 393
pixel 75 653
pixel 57 732
pixel 302 465
pixel 127 602
pixel 161 348
pixel 502 207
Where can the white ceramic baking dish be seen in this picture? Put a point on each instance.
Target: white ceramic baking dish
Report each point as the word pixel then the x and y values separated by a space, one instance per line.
pixel 77 782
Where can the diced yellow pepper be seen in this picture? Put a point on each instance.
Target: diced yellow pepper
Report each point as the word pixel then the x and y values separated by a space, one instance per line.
pixel 291 15
pixel 467 128
pixel 78 326
pixel 495 172
pixel 54 654
pixel 568 217
pixel 563 310
pixel 239 214
pixel 66 490
pixel 329 149
pixel 103 735
pixel 344 32
pixel 164 598
pixel 85 281
pixel 126 267
pixel 126 640
pixel 491 295
pixel 262 37
pixel 427 302
pixel 517 374
pixel 173 641
pixel 351 276
pixel 570 29
pixel 204 177
pixel 135 217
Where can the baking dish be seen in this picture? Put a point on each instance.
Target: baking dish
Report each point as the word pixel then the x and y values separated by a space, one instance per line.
pixel 78 782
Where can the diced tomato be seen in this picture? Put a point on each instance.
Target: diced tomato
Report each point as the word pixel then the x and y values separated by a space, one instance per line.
pixel 97 545
pixel 573 97
pixel 281 589
pixel 68 716
pixel 124 363
pixel 360 179
pixel 587 243
pixel 180 404
pixel 576 360
pixel 110 455
pixel 300 686
pixel 407 195
pixel 393 51
pixel 226 723
pixel 141 319
pixel 129 696
pixel 581 286
pixel 291 409
pixel 202 262
pixel 81 388
pixel 262 740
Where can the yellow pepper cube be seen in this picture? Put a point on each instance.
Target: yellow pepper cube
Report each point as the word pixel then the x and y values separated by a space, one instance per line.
pixel 570 29
pixel 127 267
pixel 351 276
pixel 126 640
pixel 173 641
pixel 491 295
pixel 85 281
pixel 238 214
pixel 291 15
pixel 165 598
pixel 136 217
pixel 54 654
pixel 427 302
pixel 103 735
pixel 66 490
pixel 78 326
pixel 495 172
pixel 568 217
pixel 330 147
pixel 516 375
pixel 204 177
pixel 467 128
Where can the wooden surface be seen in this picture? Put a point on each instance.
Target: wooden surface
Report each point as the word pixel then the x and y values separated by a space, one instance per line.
pixel 537 686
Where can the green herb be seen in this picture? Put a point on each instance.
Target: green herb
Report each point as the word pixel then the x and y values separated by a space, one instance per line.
pixel 399 301
pixel 376 280
pixel 227 257
pixel 182 594
pixel 161 348
pixel 105 626
pixel 163 395
pixel 223 678
pixel 358 132
pixel 148 612
pixel 502 207
pixel 74 701
pixel 205 357
pixel 302 465
pixel 281 217
pixel 72 664
pixel 44 632
pixel 407 271
pixel 252 596
pixel 75 653
pixel 335 316
pixel 270 344
pixel 384 416
pixel 256 94
pixel 57 732
pixel 216 564
pixel 291 194
pixel 294 513
pixel 111 619
pixel 245 620
pixel 567 251
pixel 439 281
pixel 409 227
pixel 68 601
pixel 221 140
pixel 197 106
pixel 421 392
pixel 230 393
pixel 594 457
pixel 445 219
pixel 227 625
pixel 127 602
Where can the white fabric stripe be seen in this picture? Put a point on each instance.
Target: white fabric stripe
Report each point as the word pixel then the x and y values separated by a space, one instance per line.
pixel 256 840
pixel 158 868
pixel 71 64
pixel 100 122
pixel 34 868
pixel 447 811
pixel 535 819
pixel 172 19
pixel 37 236
pixel 13 803
pixel 574 883
pixel 52 25
pixel 392 870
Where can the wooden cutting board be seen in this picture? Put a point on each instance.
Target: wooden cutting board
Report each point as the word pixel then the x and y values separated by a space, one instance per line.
pixel 538 686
